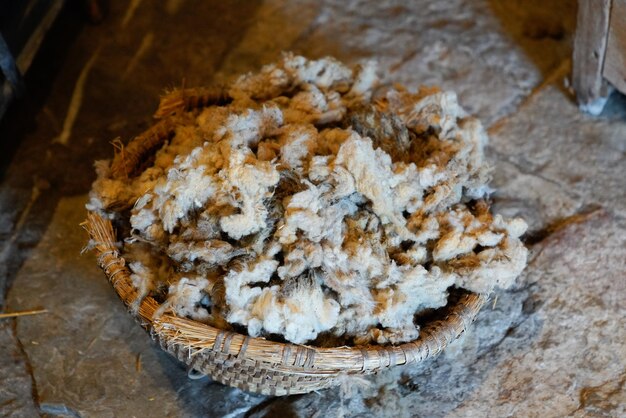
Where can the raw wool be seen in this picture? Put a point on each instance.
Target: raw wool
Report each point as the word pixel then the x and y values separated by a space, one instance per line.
pixel 249 182
pixel 314 205
pixel 185 298
pixel 111 195
pixel 151 270
pixel 297 310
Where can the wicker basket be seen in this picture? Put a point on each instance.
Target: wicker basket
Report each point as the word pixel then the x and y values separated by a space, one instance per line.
pixel 252 364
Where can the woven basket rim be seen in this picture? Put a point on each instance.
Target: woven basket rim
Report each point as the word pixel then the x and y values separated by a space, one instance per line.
pixel 197 337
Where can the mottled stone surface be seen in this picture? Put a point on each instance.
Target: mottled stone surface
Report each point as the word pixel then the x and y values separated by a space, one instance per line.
pixel 582 158
pixel 553 346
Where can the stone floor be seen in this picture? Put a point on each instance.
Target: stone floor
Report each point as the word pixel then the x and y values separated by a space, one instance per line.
pixel 553 346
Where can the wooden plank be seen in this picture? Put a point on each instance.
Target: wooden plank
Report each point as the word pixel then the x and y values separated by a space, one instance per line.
pixel 589 51
pixel 615 61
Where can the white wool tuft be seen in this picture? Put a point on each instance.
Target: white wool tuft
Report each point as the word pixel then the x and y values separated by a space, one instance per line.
pixel 184 298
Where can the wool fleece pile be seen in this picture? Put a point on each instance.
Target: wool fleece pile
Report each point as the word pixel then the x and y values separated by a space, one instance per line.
pixel 312 203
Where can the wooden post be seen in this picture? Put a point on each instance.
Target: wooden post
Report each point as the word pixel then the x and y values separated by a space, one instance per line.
pixel 615 62
pixel 589 52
